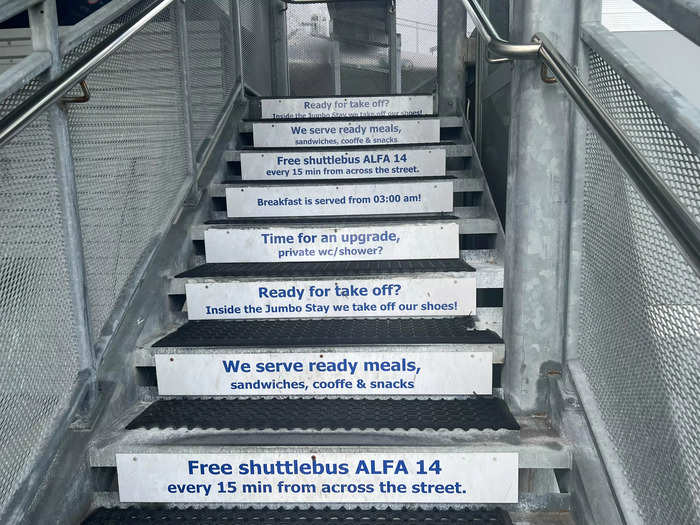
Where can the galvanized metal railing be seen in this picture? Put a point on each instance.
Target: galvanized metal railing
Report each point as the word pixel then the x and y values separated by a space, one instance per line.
pixel 52 92
pixel 90 192
pixel 670 210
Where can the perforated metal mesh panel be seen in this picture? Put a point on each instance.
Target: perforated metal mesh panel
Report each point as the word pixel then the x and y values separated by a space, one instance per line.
pixel 640 312
pixel 213 66
pixel 38 361
pixel 256 39
pixel 130 160
pixel 129 153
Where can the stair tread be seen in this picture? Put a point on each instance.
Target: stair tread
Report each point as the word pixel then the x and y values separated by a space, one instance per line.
pixel 326 269
pixel 151 514
pixel 474 413
pixel 235 183
pixel 468 223
pixel 325 220
pixel 327 332
pixel 463 181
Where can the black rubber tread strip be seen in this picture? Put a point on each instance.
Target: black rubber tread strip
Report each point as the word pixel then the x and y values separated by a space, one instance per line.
pixel 474 413
pixel 249 148
pixel 247 516
pixel 336 182
pixel 327 332
pixel 327 269
pixel 375 220
pixel 343 119
pixel 349 95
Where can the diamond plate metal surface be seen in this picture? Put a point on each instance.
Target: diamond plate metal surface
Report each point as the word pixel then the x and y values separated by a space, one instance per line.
pixel 328 332
pixel 330 268
pixel 38 359
pixel 640 311
pixel 450 516
pixel 478 413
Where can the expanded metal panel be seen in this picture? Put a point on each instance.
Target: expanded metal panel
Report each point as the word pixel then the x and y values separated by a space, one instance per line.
pixel 416 22
pixel 212 65
pixel 362 42
pixel 130 163
pixel 348 40
pixel 640 312
pixel 38 360
pixel 309 50
pixel 665 150
pixel 256 42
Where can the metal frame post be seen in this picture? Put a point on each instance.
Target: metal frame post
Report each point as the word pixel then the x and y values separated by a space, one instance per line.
pixel 394 50
pixel 280 58
pixel 237 40
pixel 452 39
pixel 537 228
pixel 588 11
pixel 183 42
pixel 336 82
pixel 43 21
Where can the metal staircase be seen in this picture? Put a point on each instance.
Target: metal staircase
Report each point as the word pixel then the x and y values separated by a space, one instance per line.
pixel 438 394
pixel 191 410
pixel 223 302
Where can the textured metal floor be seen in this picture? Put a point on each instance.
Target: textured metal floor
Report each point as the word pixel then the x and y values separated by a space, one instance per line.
pixel 325 269
pixel 329 221
pixel 333 182
pixel 168 516
pixel 476 413
pixel 328 332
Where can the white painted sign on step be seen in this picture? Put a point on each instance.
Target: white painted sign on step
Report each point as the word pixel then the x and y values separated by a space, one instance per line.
pixel 378 163
pixel 340 199
pixel 335 133
pixel 380 297
pixel 318 476
pixel 340 107
pixel 327 374
pixel 342 243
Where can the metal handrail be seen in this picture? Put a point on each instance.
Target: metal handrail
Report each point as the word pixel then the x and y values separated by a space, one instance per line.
pixel 21 116
pixel 669 209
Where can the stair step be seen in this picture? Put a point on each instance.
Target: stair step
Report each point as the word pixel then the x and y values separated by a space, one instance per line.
pixel 324 269
pixel 467 218
pixel 536 443
pixel 452 150
pixel 296 333
pixel 476 413
pixel 296 516
pixel 462 181
pixel 341 198
pixel 344 106
pixel 436 240
pixel 145 355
